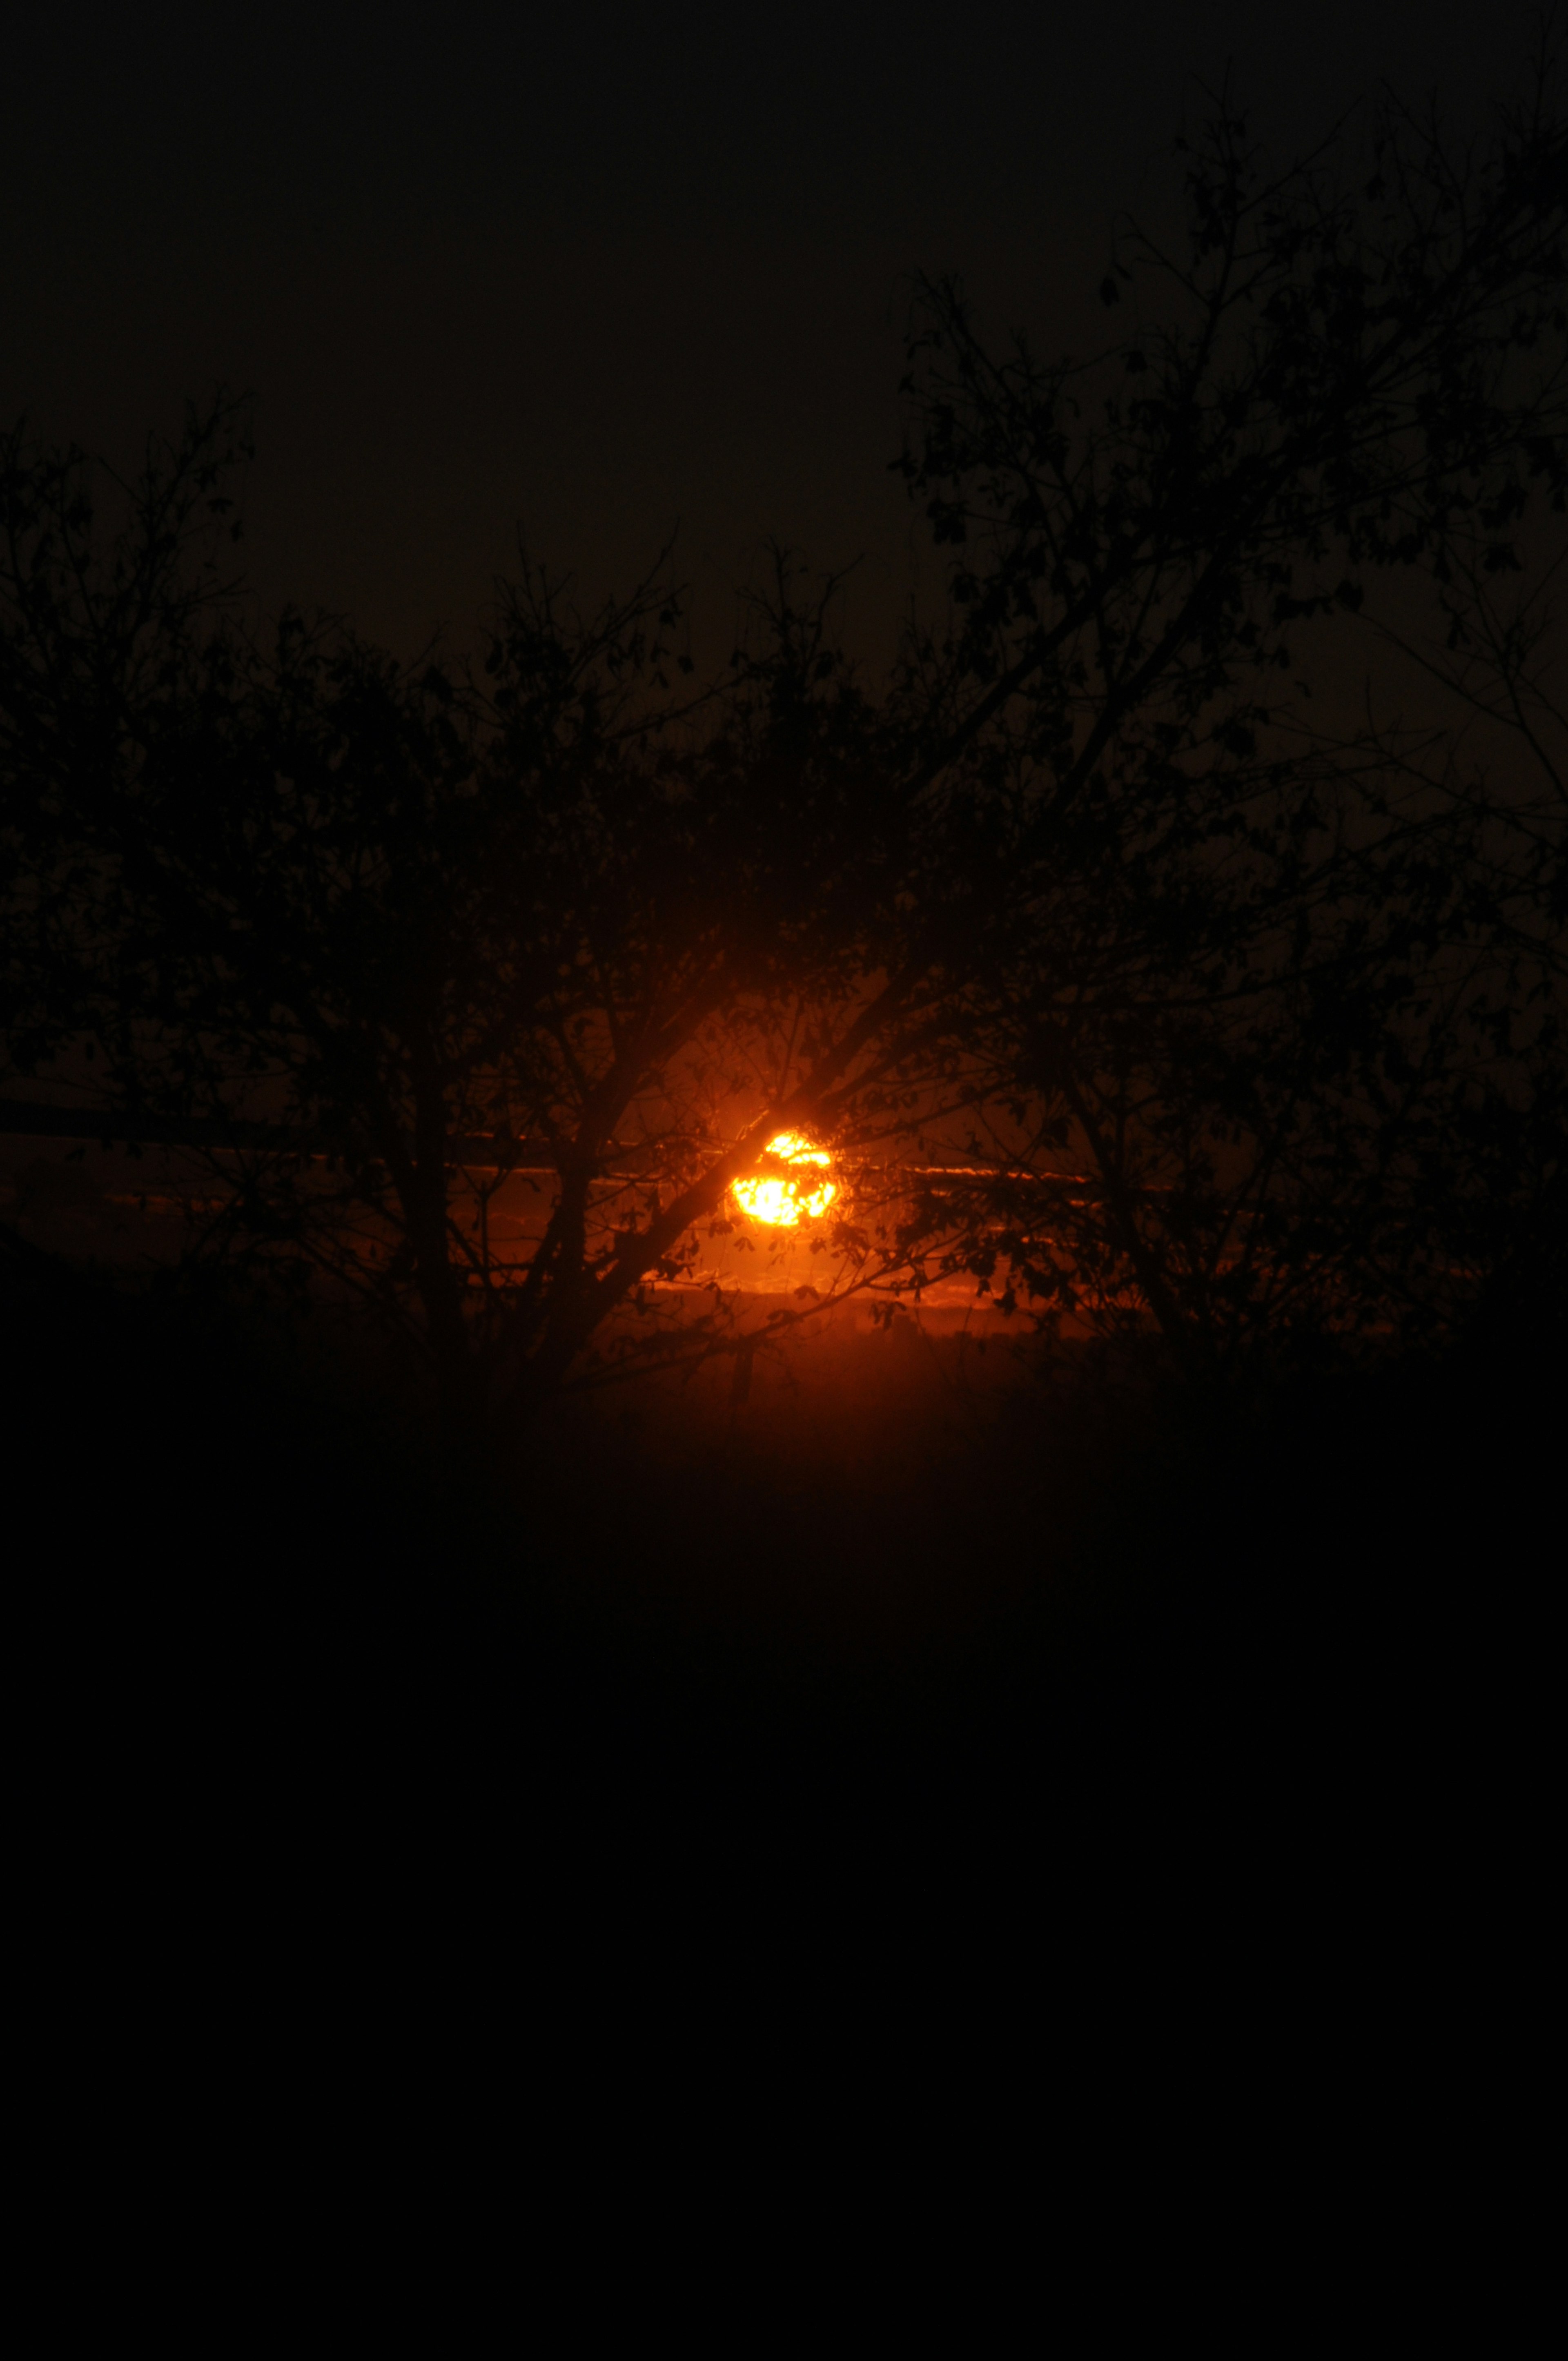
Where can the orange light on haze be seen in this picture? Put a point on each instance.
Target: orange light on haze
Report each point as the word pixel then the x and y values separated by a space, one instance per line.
pixel 784 1201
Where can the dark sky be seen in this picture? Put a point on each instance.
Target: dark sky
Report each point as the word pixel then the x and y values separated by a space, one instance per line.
pixel 600 269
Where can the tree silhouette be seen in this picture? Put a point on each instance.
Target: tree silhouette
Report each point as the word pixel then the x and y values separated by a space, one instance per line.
pixel 1254 968
pixel 1086 898
pixel 106 634
pixel 379 936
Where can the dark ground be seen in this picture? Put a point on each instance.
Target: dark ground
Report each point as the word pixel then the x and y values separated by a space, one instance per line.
pixel 909 1609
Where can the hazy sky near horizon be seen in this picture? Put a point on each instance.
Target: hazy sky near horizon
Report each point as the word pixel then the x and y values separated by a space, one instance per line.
pixel 605 274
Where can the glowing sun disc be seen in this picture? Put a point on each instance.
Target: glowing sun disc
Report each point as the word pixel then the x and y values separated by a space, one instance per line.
pixel 784 1200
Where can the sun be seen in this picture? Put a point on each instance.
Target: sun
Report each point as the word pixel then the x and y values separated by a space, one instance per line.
pixel 784 1199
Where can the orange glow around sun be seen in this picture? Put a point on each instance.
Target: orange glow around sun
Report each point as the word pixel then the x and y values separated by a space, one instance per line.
pixel 784 1200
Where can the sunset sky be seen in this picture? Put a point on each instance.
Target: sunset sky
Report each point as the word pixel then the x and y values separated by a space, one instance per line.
pixel 603 273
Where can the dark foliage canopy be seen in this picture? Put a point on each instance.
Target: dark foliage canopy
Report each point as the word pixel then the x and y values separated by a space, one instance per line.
pixel 1126 974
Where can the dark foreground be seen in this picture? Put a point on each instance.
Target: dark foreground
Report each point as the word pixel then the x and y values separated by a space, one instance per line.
pixel 908 1607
